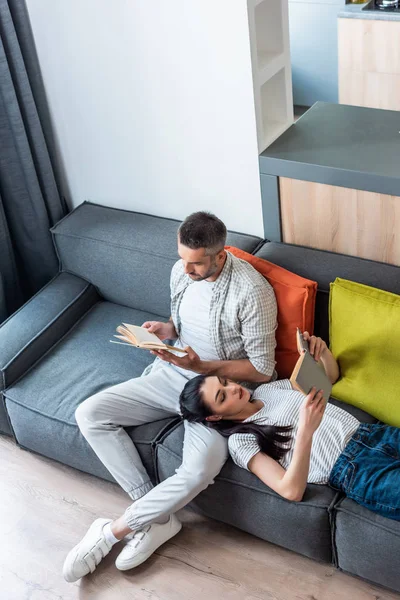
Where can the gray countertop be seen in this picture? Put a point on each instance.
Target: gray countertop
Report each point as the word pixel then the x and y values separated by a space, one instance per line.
pixel 336 144
pixel 355 11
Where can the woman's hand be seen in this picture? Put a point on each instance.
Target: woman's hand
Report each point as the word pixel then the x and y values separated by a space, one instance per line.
pixel 321 353
pixel 316 344
pixel 312 411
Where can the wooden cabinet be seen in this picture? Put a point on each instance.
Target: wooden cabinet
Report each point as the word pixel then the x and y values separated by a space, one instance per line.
pixel 338 219
pixel 369 63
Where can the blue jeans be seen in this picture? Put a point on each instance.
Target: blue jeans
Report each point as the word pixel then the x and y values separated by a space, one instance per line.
pixel 368 470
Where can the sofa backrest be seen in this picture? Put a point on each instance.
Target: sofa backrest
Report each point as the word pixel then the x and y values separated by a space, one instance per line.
pixel 323 267
pixel 127 255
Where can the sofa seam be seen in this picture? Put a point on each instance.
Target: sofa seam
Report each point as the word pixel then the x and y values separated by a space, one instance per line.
pixel 108 243
pixel 158 442
pixel 332 526
pixel 260 245
pixel 245 485
pixel 72 424
pixel 124 210
pixel 7 416
pixel 365 520
pixel 38 412
pixel 152 442
pixel 330 252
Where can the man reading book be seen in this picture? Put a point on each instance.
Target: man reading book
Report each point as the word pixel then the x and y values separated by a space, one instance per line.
pixel 223 312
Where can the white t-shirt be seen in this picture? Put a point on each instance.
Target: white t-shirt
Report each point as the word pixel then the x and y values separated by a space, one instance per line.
pixel 194 313
pixel 281 407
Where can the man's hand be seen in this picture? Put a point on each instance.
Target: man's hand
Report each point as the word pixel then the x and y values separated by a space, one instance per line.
pixel 164 331
pixel 191 361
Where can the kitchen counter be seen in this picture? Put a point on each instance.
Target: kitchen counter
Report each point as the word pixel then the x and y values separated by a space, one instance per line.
pixel 355 11
pixel 348 146
pixel 332 181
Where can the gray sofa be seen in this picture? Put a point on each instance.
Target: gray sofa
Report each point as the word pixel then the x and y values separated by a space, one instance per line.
pixel 55 352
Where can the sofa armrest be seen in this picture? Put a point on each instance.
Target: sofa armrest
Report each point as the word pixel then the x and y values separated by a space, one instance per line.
pixel 31 331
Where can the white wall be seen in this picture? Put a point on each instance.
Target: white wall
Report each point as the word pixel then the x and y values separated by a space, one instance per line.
pixel 152 104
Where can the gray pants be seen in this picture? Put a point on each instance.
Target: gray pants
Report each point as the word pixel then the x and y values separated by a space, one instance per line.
pixel 102 418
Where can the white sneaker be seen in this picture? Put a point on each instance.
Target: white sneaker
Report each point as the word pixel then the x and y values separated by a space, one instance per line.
pixel 145 541
pixel 86 555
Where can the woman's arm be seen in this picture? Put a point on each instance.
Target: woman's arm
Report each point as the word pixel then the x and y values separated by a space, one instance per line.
pixel 320 351
pixel 291 483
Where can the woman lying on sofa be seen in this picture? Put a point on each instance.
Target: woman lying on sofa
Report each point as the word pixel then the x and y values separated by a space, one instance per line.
pixel 288 439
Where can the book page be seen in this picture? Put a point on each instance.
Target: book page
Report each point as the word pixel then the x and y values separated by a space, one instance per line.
pixel 301 342
pixel 142 335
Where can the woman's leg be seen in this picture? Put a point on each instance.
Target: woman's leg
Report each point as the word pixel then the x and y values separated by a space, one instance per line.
pixel 368 471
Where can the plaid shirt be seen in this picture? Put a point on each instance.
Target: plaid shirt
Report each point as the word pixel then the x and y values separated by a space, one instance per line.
pixel 243 313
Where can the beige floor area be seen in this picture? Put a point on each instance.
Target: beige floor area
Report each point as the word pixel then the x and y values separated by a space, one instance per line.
pixel 45 508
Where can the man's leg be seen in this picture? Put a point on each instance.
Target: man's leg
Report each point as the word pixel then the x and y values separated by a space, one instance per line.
pixel 204 453
pixel 102 418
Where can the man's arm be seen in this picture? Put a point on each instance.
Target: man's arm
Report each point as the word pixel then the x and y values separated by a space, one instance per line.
pixel 259 322
pixel 239 370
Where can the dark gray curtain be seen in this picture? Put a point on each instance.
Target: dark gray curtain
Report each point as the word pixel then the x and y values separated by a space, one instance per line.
pixel 30 202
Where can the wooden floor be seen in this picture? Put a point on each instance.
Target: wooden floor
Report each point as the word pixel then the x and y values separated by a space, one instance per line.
pixel 45 508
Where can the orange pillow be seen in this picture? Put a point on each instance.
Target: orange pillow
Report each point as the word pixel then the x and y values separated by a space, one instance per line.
pixel 295 297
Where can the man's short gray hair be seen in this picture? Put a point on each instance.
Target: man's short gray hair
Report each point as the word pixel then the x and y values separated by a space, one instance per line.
pixel 203 230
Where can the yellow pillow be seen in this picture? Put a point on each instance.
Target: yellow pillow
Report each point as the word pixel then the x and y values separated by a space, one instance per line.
pixel 364 326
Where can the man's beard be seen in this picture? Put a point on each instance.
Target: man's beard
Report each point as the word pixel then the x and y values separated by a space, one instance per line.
pixel 211 271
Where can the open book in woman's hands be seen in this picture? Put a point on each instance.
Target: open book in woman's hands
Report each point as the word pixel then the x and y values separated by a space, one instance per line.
pixel 308 373
pixel 140 337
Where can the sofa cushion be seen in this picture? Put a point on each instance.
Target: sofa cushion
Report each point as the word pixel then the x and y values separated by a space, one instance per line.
pixel 367 544
pixel 295 297
pixel 128 256
pixel 41 405
pixel 239 498
pixel 323 267
pixel 365 334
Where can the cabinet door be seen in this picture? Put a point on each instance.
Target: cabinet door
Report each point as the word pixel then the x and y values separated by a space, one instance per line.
pixel 313 49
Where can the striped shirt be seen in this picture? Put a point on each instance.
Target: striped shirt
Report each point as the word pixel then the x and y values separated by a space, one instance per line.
pixel 282 407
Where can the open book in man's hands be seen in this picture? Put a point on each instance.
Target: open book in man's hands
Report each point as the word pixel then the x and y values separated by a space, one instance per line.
pixel 307 373
pixel 141 337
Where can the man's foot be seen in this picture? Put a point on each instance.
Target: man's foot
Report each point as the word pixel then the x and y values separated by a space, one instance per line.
pixel 145 541
pixel 86 555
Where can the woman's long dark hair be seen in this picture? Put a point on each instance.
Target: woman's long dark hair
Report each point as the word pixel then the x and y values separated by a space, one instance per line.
pixel 273 439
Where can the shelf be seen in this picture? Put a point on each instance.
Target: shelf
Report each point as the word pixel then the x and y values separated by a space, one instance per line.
pixel 274 129
pixel 274 107
pixel 270 56
pixel 268 29
pixel 269 64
